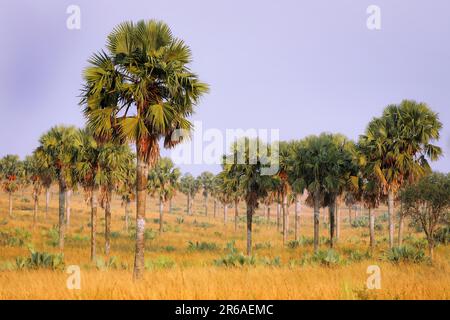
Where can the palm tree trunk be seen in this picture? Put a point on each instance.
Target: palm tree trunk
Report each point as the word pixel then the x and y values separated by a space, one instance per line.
pixel 316 220
pixel 127 214
pixel 278 216
pixel 401 223
pixel 338 221
pixel 250 210
pixel 350 215
pixel 296 218
pixel 206 206
pixel 284 208
pixel 68 207
pixel 62 223
pixel 332 218
pixel 141 195
pixel 108 222
pixel 188 209
pixel 47 201
pixel 161 209
pixel 225 213
pixel 236 214
pixel 10 204
pixel 94 204
pixel 35 211
pixel 372 229
pixel 431 250
pixel 215 208
pixel 391 217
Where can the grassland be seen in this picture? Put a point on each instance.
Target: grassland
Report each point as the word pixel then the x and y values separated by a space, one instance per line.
pixel 187 260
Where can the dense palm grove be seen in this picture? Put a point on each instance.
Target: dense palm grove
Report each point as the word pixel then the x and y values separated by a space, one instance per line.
pixel 140 91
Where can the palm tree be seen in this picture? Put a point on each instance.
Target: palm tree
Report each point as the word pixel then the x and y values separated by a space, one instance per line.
pixel 161 184
pixel 58 149
pixel 46 177
pixel 10 170
pixel 127 190
pixel 189 186
pixel 253 184
pixel 231 191
pixel 206 180
pixel 33 170
pixel 399 145
pixel 141 90
pixel 284 187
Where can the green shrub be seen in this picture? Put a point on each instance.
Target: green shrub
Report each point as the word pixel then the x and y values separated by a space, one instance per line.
pixel 38 260
pixel 356 255
pixel 263 245
pixel 442 235
pixel 360 222
pixel 161 262
pixel 326 257
pixel 53 237
pixel 17 238
pixel 169 248
pixel 180 220
pixel 405 254
pixel 202 246
pixel 203 225
pixel 102 264
pixel 115 235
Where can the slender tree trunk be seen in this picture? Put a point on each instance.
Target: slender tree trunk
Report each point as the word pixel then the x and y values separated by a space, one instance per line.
pixel 268 214
pixel 338 221
pixel 350 215
pixel 316 220
pixel 296 218
pixel 206 206
pixel 278 216
pixel 431 250
pixel 62 223
pixel 332 219
pixel 161 212
pixel 10 204
pixel 35 213
pixel 141 195
pixel 372 229
pixel 68 207
pixel 188 210
pixel 127 214
pixel 47 202
pixel 284 208
pixel 108 222
pixel 391 218
pixel 250 211
pixel 401 223
pixel 215 208
pixel 236 214
pixel 225 213
pixel 94 205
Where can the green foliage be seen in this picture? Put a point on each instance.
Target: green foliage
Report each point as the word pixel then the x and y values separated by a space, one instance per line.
pixel 53 237
pixel 202 246
pixel 442 235
pixel 16 238
pixel 405 254
pixel 103 265
pixel 327 258
pixel 180 220
pixel 356 255
pixel 263 245
pixel 41 260
pixel 161 262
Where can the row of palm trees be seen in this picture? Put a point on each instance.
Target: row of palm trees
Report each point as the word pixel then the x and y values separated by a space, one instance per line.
pixel 140 90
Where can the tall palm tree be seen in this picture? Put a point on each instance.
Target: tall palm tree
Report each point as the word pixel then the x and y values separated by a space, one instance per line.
pixel 189 186
pixel 161 184
pixel 127 191
pixel 46 177
pixel 33 170
pixel 398 147
pixel 206 180
pixel 141 90
pixel 253 184
pixel 58 149
pixel 10 170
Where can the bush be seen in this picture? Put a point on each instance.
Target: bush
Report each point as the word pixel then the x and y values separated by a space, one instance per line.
pixel 360 222
pixel 53 237
pixel 442 235
pixel 169 248
pixel 326 257
pixel 263 245
pixel 38 260
pixel 161 262
pixel 17 238
pixel 111 263
pixel 180 220
pixel 356 255
pixel 405 254
pixel 201 246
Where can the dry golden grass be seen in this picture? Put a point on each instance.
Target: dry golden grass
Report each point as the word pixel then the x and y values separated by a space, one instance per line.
pixel 194 274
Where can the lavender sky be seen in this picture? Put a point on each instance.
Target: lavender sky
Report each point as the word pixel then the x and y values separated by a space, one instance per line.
pixel 300 66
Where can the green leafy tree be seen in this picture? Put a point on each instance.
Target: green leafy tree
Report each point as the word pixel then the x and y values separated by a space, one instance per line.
pixel 428 204
pixel 398 146
pixel 189 186
pixel 206 180
pixel 162 183
pixel 141 90
pixel 10 170
pixel 58 149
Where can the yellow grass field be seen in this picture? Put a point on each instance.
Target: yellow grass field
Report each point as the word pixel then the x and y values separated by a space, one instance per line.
pixel 175 272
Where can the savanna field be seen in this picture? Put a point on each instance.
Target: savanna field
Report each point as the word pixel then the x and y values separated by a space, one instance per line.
pixel 195 257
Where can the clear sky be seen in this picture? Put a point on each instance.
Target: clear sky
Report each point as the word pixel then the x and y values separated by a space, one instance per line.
pixel 302 67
